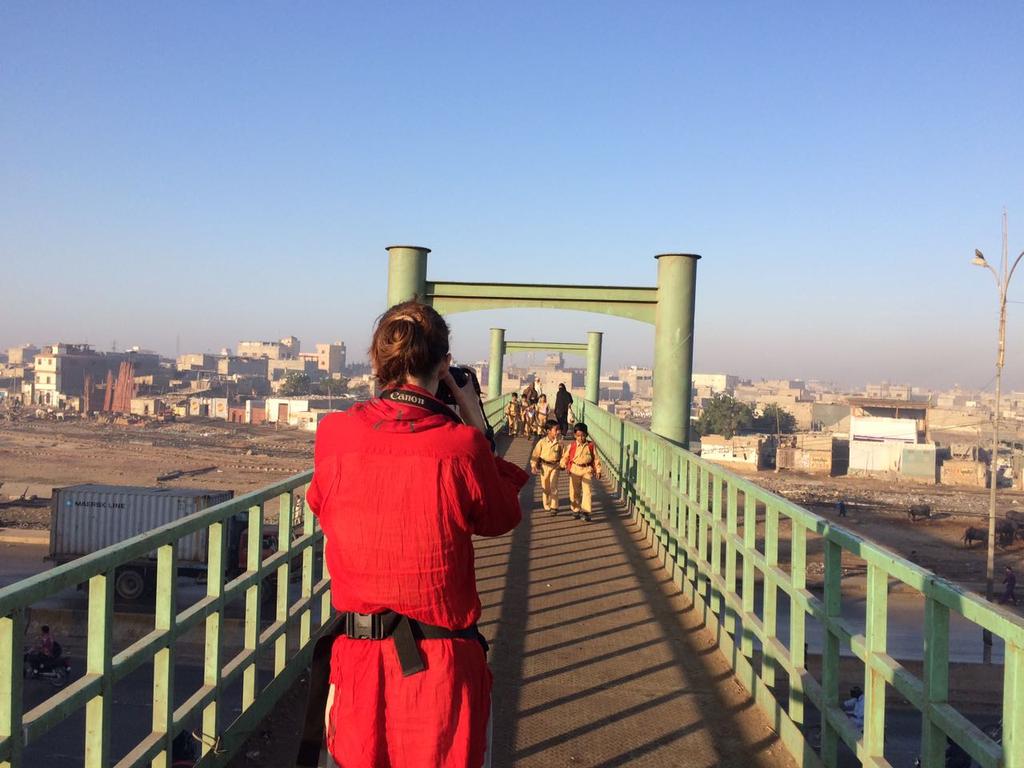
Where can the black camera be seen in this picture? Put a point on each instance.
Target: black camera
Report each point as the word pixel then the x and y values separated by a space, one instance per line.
pixel 461 375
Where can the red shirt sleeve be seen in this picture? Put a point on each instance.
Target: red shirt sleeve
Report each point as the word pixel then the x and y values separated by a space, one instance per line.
pixel 493 486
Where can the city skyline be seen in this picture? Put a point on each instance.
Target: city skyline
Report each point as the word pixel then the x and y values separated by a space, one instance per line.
pixel 836 167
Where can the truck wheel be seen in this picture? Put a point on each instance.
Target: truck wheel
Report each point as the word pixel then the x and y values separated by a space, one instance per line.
pixel 130 584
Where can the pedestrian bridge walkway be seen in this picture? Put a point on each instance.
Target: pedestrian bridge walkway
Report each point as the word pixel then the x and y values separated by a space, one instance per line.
pixel 599 660
pixel 670 631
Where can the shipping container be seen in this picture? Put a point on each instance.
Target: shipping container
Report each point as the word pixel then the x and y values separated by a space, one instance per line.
pixel 87 518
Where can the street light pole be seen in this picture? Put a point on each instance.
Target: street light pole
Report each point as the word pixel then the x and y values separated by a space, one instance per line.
pixel 1002 284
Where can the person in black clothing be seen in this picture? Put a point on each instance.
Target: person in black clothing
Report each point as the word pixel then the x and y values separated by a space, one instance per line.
pixel 562 402
pixel 841 508
pixel 1010 582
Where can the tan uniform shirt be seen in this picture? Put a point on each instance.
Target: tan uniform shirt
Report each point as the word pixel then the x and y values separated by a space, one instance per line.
pixel 547 452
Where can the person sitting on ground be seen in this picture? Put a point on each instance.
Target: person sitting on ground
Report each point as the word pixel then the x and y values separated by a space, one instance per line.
pixel 44 650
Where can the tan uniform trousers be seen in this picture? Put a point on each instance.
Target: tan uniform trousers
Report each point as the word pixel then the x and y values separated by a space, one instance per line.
pixel 580 479
pixel 549 485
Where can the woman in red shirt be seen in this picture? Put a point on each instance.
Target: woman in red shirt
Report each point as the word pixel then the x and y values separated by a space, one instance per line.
pixel 400 487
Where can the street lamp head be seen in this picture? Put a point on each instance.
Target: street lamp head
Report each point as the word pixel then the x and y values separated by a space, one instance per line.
pixel 979 259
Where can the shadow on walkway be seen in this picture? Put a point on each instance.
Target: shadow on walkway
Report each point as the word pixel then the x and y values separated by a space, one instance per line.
pixel 598 658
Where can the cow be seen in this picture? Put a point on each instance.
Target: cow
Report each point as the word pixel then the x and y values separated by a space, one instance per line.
pixel 919 510
pixel 1006 531
pixel 973 534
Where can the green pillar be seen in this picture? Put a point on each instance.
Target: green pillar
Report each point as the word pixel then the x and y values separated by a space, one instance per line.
pixel 673 346
pixel 593 382
pixel 407 273
pixel 494 370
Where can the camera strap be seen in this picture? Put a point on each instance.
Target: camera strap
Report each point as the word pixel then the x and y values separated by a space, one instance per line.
pixel 409 397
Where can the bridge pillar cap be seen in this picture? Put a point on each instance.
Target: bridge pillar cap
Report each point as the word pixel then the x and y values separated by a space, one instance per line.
pixel 687 255
pixel 410 247
pixel 497 329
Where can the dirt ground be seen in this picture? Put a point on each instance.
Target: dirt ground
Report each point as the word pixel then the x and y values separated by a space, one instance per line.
pixel 57 454
pixel 877 510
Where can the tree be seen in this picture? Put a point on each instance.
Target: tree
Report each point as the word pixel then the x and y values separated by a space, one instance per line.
pixel 295 384
pixel 775 419
pixel 726 416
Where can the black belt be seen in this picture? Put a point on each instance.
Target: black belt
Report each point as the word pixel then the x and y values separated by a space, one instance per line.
pixel 549 463
pixel 363 626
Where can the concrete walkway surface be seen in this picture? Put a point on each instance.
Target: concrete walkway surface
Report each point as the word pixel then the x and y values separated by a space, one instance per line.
pixel 598 658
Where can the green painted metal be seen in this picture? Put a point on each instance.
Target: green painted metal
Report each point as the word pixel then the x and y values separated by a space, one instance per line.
pixel 290 636
pixel 592 349
pixel 593 381
pixel 547 346
pixel 673 346
pixel 670 307
pixel 636 458
pixel 407 273
pixel 495 369
pixel 633 303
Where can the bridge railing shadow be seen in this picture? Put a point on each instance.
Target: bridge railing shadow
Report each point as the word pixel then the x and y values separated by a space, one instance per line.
pixel 704 523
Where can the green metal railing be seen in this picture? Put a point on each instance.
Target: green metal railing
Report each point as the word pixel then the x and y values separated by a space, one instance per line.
pixel 705 520
pixel 93 692
pixel 104 668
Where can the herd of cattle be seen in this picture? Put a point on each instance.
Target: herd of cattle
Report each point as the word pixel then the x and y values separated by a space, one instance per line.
pixel 1007 530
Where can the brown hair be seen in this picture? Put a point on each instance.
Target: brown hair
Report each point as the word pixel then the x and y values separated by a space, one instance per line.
pixel 410 339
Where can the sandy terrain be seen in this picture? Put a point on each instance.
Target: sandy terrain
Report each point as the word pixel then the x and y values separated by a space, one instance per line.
pixel 877 510
pixel 65 453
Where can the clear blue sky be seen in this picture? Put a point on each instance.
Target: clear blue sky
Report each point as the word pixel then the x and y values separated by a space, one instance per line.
pixel 229 170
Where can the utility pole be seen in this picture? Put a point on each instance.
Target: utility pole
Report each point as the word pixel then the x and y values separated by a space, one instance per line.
pixel 1002 285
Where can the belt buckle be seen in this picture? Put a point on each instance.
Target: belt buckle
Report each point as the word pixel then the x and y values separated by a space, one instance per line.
pixel 365 626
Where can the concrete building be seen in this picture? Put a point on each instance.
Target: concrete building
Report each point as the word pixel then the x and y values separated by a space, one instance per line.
pixel 890 438
pixel 285 349
pixel 197 361
pixel 61 370
pixel 242 366
pixel 747 451
pixel 715 382
pixel 148 406
pixel 279 368
pixel 613 389
pixel 639 381
pixel 331 357
pixel 23 355
pixel 208 407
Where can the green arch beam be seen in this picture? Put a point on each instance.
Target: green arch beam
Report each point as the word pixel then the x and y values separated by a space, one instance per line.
pixel 669 306
pixel 500 347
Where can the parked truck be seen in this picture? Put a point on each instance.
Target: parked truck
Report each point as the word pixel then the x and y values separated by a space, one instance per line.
pixel 87 518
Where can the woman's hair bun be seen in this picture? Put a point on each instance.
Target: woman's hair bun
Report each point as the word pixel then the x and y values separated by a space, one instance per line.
pixel 410 340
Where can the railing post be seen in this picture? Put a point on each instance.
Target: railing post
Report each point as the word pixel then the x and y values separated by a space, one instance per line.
pixel 731 527
pixel 936 681
pixel 716 601
pixel 593 376
pixel 1013 706
pixel 253 561
pixel 771 592
pixel 98 658
pixel 673 346
pixel 284 544
pixel 874 683
pixel 163 660
pixel 12 631
pixel 306 618
pixel 749 547
pixel 407 273
pixel 830 652
pixel 797 620
pixel 212 664
pixel 495 368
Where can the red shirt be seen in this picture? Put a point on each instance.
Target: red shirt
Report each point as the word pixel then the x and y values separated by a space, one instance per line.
pixel 400 492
